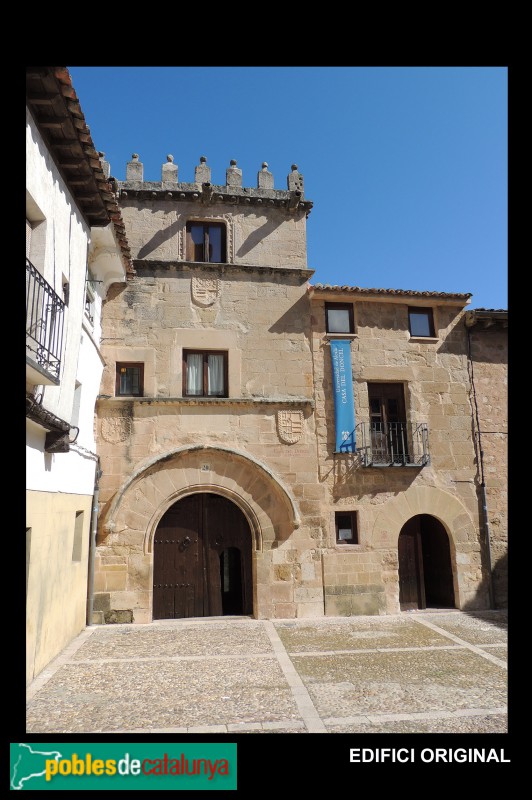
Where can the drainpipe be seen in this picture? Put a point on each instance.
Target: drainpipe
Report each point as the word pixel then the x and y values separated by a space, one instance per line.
pixel 487 532
pixel 485 519
pixel 92 542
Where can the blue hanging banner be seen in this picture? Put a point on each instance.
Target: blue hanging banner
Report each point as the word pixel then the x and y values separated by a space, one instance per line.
pixel 344 406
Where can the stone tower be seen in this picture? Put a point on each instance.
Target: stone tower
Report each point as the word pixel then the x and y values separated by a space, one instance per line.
pixel 205 417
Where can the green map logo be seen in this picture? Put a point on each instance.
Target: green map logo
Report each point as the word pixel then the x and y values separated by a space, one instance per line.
pixel 71 766
pixel 29 764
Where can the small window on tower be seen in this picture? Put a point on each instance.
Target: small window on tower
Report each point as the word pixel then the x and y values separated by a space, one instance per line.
pixel 206 242
pixel 129 379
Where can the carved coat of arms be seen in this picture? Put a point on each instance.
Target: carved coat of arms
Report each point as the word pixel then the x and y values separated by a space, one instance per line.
pixel 116 428
pixel 290 426
pixel 205 291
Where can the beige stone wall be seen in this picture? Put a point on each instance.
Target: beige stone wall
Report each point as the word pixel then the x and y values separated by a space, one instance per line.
pixel 56 586
pixel 287 579
pixel 489 352
pixel 434 374
pixel 261 320
pixel 158 448
pixel 353 583
pixel 269 238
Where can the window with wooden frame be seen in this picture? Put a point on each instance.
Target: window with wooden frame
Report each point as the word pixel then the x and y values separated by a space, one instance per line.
pixel 387 414
pixel 206 242
pixel 421 321
pixel 386 403
pixel 346 524
pixel 205 373
pixel 339 318
pixel 129 379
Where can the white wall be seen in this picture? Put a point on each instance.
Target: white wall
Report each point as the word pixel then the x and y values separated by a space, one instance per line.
pixel 72 472
pixel 60 485
pixel 65 254
pixel 62 250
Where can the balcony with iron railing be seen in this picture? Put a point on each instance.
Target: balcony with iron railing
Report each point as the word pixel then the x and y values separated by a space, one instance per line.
pixel 393 444
pixel 44 329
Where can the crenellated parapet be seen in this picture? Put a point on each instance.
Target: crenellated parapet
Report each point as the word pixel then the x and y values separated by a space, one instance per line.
pixel 203 191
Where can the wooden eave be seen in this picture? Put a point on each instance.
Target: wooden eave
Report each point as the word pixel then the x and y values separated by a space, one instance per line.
pixel 60 120
pixel 55 107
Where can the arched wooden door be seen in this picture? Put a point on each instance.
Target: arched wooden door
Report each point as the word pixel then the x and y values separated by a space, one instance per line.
pixel 425 569
pixel 202 560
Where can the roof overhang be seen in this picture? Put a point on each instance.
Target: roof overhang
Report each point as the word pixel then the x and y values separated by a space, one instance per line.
pixel 58 430
pixel 411 297
pixel 486 318
pixel 55 107
pixel 58 116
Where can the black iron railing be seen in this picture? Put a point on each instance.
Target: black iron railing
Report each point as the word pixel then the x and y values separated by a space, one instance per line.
pixel 44 323
pixel 393 444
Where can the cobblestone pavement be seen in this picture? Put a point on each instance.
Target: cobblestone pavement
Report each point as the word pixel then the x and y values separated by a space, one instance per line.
pixel 419 672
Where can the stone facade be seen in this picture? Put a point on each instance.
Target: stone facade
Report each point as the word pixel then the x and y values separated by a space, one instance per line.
pixel 257 445
pixel 488 332
pixel 267 445
pixel 434 377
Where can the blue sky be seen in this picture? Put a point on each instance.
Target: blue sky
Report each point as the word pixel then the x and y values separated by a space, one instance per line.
pixel 406 166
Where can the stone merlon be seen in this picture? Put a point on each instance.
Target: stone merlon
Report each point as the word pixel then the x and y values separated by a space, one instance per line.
pixel 203 190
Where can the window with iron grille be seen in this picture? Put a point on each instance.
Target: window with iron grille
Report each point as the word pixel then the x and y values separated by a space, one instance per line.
pixel 389 434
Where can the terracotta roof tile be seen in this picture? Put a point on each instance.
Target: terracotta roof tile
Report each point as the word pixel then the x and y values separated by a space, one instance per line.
pixel 489 310
pixel 327 287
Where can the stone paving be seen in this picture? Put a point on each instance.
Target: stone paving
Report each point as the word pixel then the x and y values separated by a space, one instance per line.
pixel 419 672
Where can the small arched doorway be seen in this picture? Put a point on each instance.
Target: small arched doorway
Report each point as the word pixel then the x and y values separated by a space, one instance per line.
pixel 202 559
pixel 425 568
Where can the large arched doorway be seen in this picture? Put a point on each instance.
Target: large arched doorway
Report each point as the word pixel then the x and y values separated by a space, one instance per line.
pixel 425 569
pixel 202 559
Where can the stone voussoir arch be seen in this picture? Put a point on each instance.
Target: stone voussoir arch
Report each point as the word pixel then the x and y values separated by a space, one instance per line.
pixel 457 522
pixel 159 482
pixel 442 505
